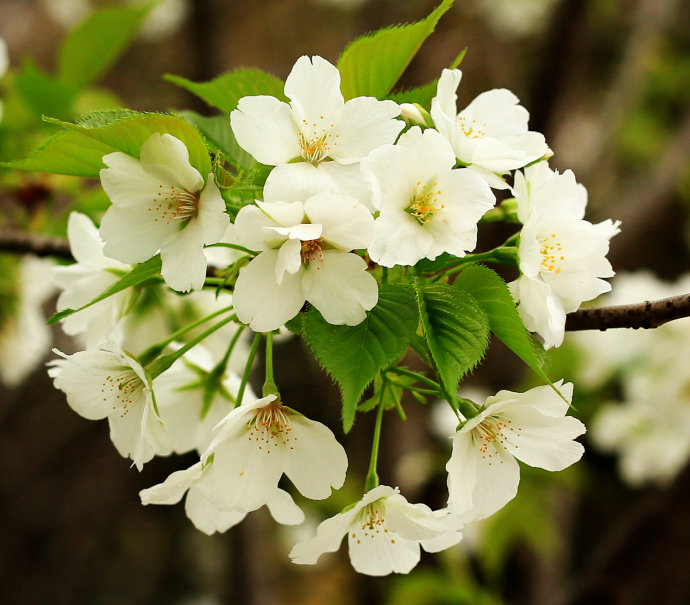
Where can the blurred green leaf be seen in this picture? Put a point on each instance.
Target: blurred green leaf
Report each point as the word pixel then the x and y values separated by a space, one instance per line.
pixel 93 46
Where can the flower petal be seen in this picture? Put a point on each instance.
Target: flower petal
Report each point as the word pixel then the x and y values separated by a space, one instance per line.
pixel 260 301
pixel 206 516
pixel 183 260
pixel 339 286
pixel 264 127
pixel 173 488
pixel 283 508
pixel 316 462
pixel 346 223
pixel 166 158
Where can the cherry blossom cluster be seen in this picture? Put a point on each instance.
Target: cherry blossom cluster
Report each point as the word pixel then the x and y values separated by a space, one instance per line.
pixel 357 189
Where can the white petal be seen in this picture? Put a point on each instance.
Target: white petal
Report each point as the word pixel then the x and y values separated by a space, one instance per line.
pixel 258 298
pixel 479 483
pixel 167 159
pixel 347 224
pixel 126 182
pixel 544 441
pixel 417 521
pixel 329 535
pixel 213 218
pixel 339 286
pixel 313 87
pixel 183 260
pixel 206 516
pixel 318 462
pixel 399 239
pixel 173 488
pixel 264 127
pixel 285 214
pixel 366 124
pixel 283 508
pixel 132 236
pixel 383 553
pixel 289 259
pixel 86 244
pixel 253 229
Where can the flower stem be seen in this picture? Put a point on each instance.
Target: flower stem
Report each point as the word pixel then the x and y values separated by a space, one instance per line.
pixel 418 377
pixel 248 368
pixel 269 387
pixel 372 479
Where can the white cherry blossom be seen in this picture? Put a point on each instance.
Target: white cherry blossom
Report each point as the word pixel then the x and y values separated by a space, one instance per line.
pixel 84 280
pixel 203 513
pixel 318 125
pixel 384 533
pixel 304 256
pixel 490 134
pixel 109 383
pixel 258 442
pixel 160 202
pixel 562 257
pixel 483 473
pixel 426 207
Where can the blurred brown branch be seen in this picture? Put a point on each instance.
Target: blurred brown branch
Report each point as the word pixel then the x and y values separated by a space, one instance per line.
pixel 12 240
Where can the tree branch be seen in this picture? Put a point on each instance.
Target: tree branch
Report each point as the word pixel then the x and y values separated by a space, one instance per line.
pixel 29 243
pixel 642 315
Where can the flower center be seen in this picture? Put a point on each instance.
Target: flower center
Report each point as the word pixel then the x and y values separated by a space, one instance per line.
pixel 551 254
pixel 174 204
pixel 271 428
pixel 491 434
pixel 124 386
pixel 312 250
pixel 370 523
pixel 471 128
pixel 316 139
pixel 425 202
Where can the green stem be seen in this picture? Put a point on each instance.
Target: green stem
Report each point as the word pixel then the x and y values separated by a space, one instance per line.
pixel 408 387
pixel 248 368
pixel 157 367
pixel 418 377
pixel 269 387
pixel 372 479
pixel 154 351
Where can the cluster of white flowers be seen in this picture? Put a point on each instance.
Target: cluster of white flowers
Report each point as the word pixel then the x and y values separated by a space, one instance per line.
pixel 649 427
pixel 347 193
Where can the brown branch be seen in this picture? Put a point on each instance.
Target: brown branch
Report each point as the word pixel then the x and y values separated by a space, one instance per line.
pixel 642 315
pixel 30 243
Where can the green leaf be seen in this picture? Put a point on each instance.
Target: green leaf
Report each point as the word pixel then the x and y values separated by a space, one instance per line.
pixel 225 91
pixel 218 132
pixel 41 93
pixel 456 329
pixel 140 273
pixel 354 355
pixel 492 293
pixel 127 131
pixel 70 153
pixel 372 64
pixel 93 46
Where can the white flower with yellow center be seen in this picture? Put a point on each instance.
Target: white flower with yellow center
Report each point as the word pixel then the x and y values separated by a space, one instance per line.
pixel 384 533
pixel 317 125
pixel 305 256
pixel 426 207
pixel 483 473
pixel 562 257
pixel 258 442
pixel 491 134
pixel 108 383
pixel 160 202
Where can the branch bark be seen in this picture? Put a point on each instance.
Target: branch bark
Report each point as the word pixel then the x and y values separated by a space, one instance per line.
pixel 20 242
pixel 642 315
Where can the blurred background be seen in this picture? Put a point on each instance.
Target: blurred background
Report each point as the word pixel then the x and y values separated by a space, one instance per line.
pixel 608 83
